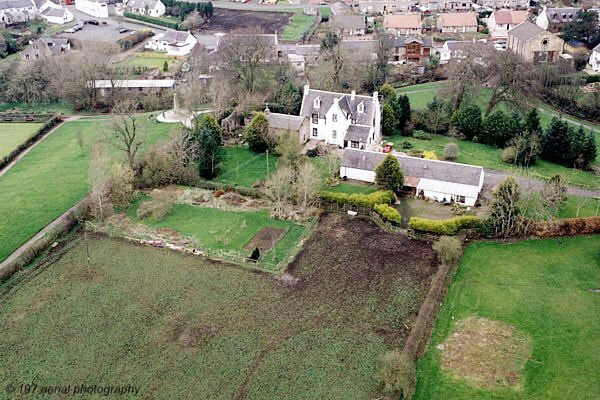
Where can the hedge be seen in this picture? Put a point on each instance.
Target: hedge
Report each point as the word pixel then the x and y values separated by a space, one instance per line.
pixel 359 199
pixel 134 38
pixel 154 20
pixel 566 227
pixel 30 140
pixel 388 213
pixel 444 226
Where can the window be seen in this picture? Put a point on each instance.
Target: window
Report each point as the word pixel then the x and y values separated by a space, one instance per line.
pixel 354 145
pixel 461 199
pixel 315 132
pixel 360 108
pixel 334 134
pixel 317 103
pixel 334 117
pixel 315 118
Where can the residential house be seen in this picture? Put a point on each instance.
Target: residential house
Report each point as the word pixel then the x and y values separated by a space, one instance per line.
pixel 555 19
pixel 14 11
pixel 95 8
pixel 458 5
pixel 403 24
pixel 45 46
pixel 510 4
pixel 431 179
pixel 534 44
pixel 340 8
pixel 105 86
pixel 57 15
pixel 385 6
pixel 500 22
pixel 283 124
pixel 175 43
pixel 457 22
pixel 594 61
pixel 153 8
pixel 349 25
pixel 459 49
pixel 412 48
pixel 343 120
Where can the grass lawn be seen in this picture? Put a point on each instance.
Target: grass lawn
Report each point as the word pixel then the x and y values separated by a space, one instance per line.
pixel 299 24
pixel 151 60
pixel 243 167
pixel 543 289
pixel 351 187
pixel 217 229
pixel 49 180
pixel 37 108
pixel 13 134
pixel 160 320
pixel 325 11
pixel 490 157
pixel 588 207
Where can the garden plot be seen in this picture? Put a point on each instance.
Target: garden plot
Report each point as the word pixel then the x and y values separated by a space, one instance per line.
pixel 13 134
pixel 225 20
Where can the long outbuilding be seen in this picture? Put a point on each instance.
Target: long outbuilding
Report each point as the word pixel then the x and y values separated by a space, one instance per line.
pixel 442 181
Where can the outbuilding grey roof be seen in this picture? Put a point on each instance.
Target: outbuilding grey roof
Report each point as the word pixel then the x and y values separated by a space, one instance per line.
pixel 172 36
pixel 558 15
pixel 525 31
pixel 348 21
pixel 54 12
pixel 358 133
pixel 348 105
pixel 7 4
pixel 443 171
pixel 340 8
pixel 142 4
pixel 284 121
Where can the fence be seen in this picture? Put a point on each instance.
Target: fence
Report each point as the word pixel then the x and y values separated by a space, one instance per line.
pixel 362 211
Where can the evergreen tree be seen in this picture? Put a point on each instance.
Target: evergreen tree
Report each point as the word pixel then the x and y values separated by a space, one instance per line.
pixel 403 111
pixel 577 143
pixel 532 122
pixel 556 143
pixel 207 123
pixel 388 93
pixel 256 133
pixel 589 150
pixel 468 121
pixel 210 154
pixel 388 174
pixel 165 66
pixel 505 210
pixel 389 123
pixel 499 129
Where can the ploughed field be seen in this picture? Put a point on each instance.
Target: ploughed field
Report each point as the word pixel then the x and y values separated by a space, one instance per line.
pixel 184 327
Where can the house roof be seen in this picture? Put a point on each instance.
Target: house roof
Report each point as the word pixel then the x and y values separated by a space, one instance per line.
pixel 139 4
pixel 458 19
pixel 348 106
pixel 348 21
pixel 358 133
pixel 511 17
pixel 415 167
pixel 134 83
pixel 6 4
pixel 54 12
pixel 340 8
pixel 401 41
pixel 402 21
pixel 284 121
pixel 562 14
pixel 525 31
pixel 172 36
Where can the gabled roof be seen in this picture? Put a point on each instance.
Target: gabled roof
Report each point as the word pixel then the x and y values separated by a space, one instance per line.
pixel 6 4
pixel 172 36
pixel 54 12
pixel 348 106
pixel 562 14
pixel 402 21
pixel 348 21
pixel 458 19
pixel 415 167
pixel 284 121
pixel 340 8
pixel 525 31
pixel 142 4
pixel 511 17
pixel 358 133
pixel 401 41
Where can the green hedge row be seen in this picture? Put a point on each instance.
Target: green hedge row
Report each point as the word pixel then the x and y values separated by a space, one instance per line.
pixel 359 199
pixel 30 140
pixel 444 226
pixel 154 20
pixel 388 213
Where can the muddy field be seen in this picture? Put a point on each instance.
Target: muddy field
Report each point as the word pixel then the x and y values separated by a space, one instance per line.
pixel 184 327
pixel 224 20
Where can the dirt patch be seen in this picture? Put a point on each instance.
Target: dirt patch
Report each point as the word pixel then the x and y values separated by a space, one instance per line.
pixel 187 335
pixel 229 201
pixel 224 20
pixel 265 239
pixel 488 354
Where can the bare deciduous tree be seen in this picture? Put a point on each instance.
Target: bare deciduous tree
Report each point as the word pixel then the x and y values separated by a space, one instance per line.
pixel 99 176
pixel 280 188
pixel 127 130
pixel 307 185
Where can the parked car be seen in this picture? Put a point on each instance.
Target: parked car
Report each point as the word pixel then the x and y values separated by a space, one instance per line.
pixel 124 30
pixel 93 22
pixel 69 30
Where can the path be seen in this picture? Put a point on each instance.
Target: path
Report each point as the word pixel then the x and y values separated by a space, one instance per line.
pixel 41 139
pixel 494 177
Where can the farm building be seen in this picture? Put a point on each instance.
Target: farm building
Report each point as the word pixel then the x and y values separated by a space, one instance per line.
pixel 95 8
pixel 281 124
pixel 105 86
pixel 432 179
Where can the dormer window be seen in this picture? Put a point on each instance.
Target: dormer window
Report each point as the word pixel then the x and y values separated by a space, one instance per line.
pixel 317 102
pixel 360 108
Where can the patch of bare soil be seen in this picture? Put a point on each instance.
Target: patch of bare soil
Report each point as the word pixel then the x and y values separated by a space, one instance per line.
pixel 230 201
pixel 265 239
pixel 486 353
pixel 186 334
pixel 224 20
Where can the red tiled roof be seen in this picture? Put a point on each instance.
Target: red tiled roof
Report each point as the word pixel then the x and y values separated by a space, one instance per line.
pixel 402 21
pixel 458 19
pixel 510 17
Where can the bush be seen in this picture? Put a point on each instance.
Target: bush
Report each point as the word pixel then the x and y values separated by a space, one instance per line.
pixel 244 191
pixel 256 133
pixel 422 135
pixel 406 145
pixel 154 20
pixel 509 155
pixel 451 151
pixel 359 199
pixel 444 226
pixel 158 208
pixel 398 375
pixel 430 155
pixel 388 174
pixel 388 213
pixel 448 248
pixel 134 38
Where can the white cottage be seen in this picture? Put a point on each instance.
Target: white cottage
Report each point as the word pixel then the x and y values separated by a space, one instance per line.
pixel 175 43
pixel 14 11
pixel 594 61
pixel 153 8
pixel 432 179
pixel 95 8
pixel 57 15
pixel 344 120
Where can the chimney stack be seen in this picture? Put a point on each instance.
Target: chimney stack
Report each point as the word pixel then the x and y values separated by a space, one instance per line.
pixel 375 96
pixel 353 95
pixel 306 88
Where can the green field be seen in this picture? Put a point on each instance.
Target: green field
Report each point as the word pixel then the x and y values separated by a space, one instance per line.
pixel 49 180
pixel 243 167
pixel 152 60
pixel 13 134
pixel 182 327
pixel 218 230
pixel 490 157
pixel 299 24
pixel 543 289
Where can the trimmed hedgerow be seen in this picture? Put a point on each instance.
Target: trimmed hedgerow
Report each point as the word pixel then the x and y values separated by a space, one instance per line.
pixel 154 20
pixel 359 199
pixel 444 226
pixel 388 213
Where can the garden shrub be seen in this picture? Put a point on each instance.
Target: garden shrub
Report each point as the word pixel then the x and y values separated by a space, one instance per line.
pixel 158 208
pixel 388 213
pixel 444 226
pixel 398 375
pixel 407 145
pixel 422 135
pixel 154 20
pixel 430 155
pixel 451 151
pixel 448 249
pixel 359 199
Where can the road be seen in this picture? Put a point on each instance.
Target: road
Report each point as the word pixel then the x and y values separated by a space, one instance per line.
pixel 494 177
